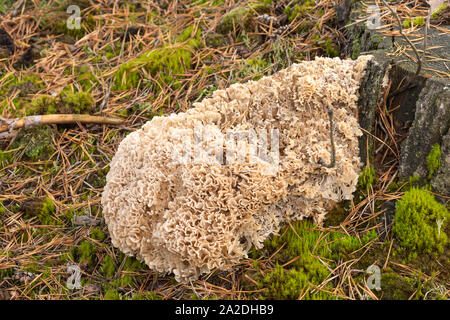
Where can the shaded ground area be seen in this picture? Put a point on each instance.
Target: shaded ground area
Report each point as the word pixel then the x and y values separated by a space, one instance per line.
pixel 138 59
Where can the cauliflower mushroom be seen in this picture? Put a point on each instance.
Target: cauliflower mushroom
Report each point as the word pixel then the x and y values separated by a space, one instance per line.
pixel 185 197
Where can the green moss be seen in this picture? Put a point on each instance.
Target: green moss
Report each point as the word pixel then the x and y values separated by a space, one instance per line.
pixel 289 284
pixel 233 19
pixel 21 90
pixel 406 23
pixel 192 38
pixel 315 37
pixel 336 216
pixel 146 296
pixel 98 180
pixel 434 160
pixel 215 40
pixel 6 158
pixel 65 102
pixel 2 208
pixel 78 102
pixel 416 223
pixel 413 181
pixel 367 177
pixel 86 252
pixel 55 22
pixel 124 281
pixel 208 3
pixel 283 55
pixel 131 264
pixel 97 234
pixel 121 282
pixel 298 9
pixel 44 209
pixel 108 267
pixel 396 287
pixel 404 184
pixel 164 64
pixel 437 13
pixel 111 294
pixel 419 21
pixel 393 187
pixel 205 93
pixel 37 143
pixel 48 208
pixel 301 275
pixel 86 78
pixel 5 6
pixel 331 49
pixel 6 273
pixel 24 84
pixel 254 68
pixel 327 45
pixel 305 26
pixel 241 18
pixel 346 245
pixel 42 105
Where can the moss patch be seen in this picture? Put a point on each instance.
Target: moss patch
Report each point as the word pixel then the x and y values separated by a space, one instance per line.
pixel 146 296
pixel 108 267
pixel 65 102
pixel 299 8
pixel 25 85
pixel 434 160
pixel 254 68
pixel 215 40
pixel 86 253
pixel 439 11
pixel 336 216
pixel 43 208
pixel 418 21
pixel 21 87
pixel 97 234
pixel 55 20
pixel 299 276
pixel 396 287
pixel 416 223
pixel 241 18
pixel 190 36
pixel 164 64
pixel 111 294
pixel 367 177
pixel 37 143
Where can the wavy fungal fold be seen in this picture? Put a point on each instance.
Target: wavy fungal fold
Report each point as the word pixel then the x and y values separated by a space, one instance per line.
pixel 194 191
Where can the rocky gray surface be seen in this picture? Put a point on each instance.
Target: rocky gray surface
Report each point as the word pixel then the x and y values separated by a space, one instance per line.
pixel 423 115
pixel 430 125
pixel 441 181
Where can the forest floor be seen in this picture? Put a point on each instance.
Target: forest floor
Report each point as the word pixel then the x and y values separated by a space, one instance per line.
pixel 134 60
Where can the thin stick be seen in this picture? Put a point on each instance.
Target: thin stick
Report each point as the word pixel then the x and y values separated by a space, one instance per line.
pixel 333 149
pixel 425 38
pixel 7 125
pixel 16 8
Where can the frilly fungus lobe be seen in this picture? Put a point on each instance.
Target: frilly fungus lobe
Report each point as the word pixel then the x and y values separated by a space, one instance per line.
pixel 189 217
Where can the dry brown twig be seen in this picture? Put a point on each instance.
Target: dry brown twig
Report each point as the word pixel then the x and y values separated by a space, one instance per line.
pixel 8 125
pixel 425 36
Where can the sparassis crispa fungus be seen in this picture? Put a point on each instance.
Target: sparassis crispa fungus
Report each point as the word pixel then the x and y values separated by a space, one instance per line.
pixel 186 198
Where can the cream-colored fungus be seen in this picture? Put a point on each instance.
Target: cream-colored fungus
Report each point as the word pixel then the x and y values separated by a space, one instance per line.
pixel 185 199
